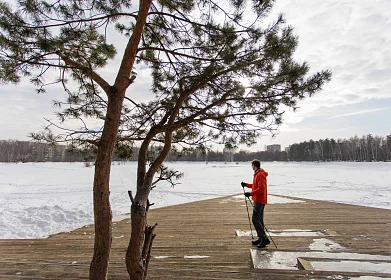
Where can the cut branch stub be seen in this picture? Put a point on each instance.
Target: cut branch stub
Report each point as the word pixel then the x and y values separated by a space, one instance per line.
pixel 149 204
pixel 131 196
pixel 149 237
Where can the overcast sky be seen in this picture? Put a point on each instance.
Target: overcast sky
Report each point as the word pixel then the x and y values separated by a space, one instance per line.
pixel 352 38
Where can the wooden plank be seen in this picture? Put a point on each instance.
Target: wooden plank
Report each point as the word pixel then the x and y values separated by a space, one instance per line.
pixel 198 241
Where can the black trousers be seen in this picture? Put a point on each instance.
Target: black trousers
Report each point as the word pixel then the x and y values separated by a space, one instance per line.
pixel 258 220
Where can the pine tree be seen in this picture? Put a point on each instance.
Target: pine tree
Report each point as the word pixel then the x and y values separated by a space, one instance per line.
pixel 220 74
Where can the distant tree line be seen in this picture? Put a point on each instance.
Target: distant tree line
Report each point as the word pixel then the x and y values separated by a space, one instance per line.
pixel 367 148
pixel 28 151
pixel 241 155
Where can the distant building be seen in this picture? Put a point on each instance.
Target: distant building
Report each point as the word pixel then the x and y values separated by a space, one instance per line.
pixel 274 148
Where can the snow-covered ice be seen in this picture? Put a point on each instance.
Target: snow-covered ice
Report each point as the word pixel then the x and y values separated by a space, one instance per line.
pixel 39 199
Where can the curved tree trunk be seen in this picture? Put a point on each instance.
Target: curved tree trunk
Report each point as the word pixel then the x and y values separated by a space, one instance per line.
pixel 140 243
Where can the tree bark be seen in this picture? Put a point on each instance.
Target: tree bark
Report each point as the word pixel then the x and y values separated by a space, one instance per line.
pixel 140 243
pixel 137 253
pixel 139 250
pixel 101 194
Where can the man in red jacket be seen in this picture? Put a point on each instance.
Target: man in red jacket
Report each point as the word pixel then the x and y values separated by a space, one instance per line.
pixel 259 196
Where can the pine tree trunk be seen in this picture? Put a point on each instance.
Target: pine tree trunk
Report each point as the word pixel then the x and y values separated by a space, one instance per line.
pixel 141 239
pixel 102 209
pixel 103 220
pixel 140 244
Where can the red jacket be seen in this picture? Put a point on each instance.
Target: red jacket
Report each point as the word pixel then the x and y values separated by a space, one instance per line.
pixel 259 186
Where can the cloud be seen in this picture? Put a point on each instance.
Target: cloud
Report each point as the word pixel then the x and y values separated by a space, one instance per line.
pixel 372 116
pixel 351 39
pixel 358 113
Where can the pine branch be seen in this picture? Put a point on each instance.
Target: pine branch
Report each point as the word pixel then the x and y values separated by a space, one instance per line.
pixel 87 71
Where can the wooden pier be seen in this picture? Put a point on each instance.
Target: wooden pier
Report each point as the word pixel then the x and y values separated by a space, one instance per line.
pixel 198 241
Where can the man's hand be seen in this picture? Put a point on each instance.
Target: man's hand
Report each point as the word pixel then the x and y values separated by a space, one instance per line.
pixel 247 194
pixel 243 184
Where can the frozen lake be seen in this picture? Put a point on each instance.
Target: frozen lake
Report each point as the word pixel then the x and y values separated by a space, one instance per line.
pixel 39 199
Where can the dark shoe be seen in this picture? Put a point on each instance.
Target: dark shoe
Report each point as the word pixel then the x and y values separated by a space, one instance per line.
pixel 256 242
pixel 263 243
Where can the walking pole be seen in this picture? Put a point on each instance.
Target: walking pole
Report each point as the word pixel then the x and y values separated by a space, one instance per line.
pixel 263 224
pixel 248 215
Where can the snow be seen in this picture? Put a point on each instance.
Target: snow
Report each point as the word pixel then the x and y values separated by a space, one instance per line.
pixel 324 244
pixel 325 255
pixel 288 260
pixel 184 257
pixel 368 278
pixel 286 232
pixel 352 266
pixel 40 199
